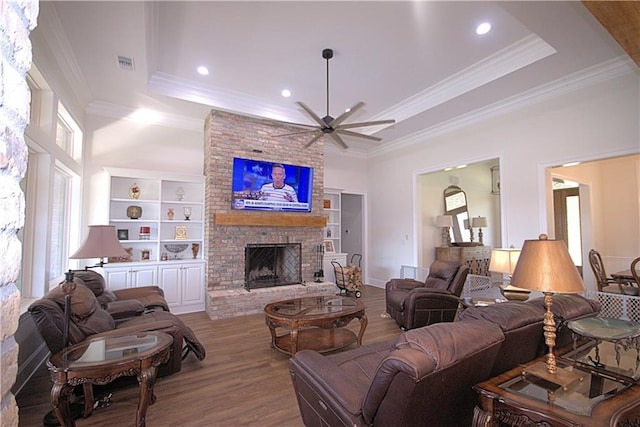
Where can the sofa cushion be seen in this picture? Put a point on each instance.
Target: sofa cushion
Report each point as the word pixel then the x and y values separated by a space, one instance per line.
pixel 509 315
pixel 444 270
pixel 436 283
pixel 442 341
pixel 570 307
pixel 99 321
pixel 91 279
pixel 83 301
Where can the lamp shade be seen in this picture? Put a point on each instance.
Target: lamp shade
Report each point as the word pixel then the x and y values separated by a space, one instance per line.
pixel 504 260
pixel 545 265
pixel 444 221
pixel 479 222
pixel 101 242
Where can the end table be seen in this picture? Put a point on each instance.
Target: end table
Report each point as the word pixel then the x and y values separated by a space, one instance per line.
pixel 101 360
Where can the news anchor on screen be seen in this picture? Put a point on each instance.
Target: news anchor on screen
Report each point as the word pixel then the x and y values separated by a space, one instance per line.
pixel 277 190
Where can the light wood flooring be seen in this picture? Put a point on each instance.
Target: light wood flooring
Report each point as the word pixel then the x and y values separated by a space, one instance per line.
pixel 241 382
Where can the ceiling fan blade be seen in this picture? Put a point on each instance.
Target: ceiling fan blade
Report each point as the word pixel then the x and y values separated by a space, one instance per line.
pixel 363 124
pixel 336 138
pixel 315 138
pixel 295 133
pixel 358 135
pixel 341 118
pixel 313 115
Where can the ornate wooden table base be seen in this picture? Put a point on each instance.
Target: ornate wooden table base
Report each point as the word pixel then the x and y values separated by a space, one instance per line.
pixel 315 323
pixel 100 361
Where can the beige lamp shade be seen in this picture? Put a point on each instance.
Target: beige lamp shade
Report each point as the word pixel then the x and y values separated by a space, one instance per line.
pixel 444 221
pixel 545 265
pixel 479 222
pixel 504 260
pixel 101 242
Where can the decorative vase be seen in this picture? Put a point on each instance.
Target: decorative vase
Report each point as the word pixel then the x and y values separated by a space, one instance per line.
pixel 195 248
pixel 170 213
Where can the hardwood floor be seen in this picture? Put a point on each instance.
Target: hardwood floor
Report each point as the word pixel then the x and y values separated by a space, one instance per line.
pixel 241 382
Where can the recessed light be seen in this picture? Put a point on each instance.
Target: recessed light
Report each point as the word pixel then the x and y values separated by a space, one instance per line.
pixel 448 169
pixel 286 93
pixel 483 28
pixel 461 166
pixel 570 164
pixel 202 70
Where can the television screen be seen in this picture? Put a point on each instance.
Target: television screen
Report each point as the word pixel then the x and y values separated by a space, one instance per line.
pixel 260 185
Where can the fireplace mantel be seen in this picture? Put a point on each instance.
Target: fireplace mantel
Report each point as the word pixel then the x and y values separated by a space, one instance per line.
pixel 269 219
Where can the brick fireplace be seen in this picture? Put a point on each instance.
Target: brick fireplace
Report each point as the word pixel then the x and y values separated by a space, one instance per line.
pixel 229 232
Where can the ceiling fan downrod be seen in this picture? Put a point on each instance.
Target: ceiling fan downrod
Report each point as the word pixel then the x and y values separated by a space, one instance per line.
pixel 327 54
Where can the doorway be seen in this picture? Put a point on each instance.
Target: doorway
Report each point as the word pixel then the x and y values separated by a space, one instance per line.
pixel 352 221
pixel 567 218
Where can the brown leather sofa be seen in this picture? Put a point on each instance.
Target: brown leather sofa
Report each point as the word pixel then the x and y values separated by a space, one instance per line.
pixel 88 318
pixel 122 304
pixel 413 304
pixel 424 377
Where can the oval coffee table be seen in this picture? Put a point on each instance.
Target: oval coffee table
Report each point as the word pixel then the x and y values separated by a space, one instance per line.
pixel 316 323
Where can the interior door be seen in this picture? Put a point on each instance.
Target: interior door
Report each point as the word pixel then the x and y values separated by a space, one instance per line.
pixel 566 212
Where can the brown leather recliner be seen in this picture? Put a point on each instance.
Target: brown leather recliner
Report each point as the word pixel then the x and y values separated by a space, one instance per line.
pixel 122 304
pixel 423 378
pixel 89 319
pixel 414 304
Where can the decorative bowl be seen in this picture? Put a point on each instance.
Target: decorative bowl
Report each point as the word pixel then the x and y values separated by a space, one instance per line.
pixel 176 248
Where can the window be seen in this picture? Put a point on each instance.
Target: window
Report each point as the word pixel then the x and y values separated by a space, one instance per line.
pixel 52 191
pixel 60 224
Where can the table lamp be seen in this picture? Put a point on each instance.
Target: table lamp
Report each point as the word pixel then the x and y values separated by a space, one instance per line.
pixel 446 222
pixel 101 242
pixel 479 222
pixel 545 265
pixel 503 261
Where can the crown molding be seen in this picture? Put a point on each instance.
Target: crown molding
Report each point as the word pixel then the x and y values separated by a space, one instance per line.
pixel 590 76
pixel 512 58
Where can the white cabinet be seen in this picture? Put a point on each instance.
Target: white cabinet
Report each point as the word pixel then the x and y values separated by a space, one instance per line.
pixel 159 219
pixel 130 276
pixel 183 286
pixel 327 267
pixel 332 210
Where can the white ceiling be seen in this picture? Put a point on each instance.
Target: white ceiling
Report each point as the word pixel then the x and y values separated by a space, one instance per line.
pixel 417 62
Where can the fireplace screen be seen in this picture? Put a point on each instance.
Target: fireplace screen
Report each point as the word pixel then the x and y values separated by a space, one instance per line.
pixel 268 265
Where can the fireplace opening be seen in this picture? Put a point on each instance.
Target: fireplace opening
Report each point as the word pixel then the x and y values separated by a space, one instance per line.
pixel 268 265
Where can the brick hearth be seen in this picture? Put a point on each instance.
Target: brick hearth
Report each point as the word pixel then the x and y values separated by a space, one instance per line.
pixel 227 232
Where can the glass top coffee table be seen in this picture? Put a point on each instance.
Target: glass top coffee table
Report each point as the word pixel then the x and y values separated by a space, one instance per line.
pixel 316 323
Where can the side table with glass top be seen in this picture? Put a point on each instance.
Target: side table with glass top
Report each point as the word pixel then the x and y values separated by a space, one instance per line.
pixel 100 361
pixel 609 346
pixel 514 399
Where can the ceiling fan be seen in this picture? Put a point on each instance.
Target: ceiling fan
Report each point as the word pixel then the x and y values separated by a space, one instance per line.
pixel 327 125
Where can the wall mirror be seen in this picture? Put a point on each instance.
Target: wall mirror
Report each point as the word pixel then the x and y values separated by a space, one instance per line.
pixel 455 204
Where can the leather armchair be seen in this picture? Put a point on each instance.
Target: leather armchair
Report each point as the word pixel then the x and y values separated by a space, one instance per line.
pixel 414 304
pixel 423 378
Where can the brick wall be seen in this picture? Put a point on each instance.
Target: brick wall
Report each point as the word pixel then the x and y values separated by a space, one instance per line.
pixel 227 136
pixel 18 19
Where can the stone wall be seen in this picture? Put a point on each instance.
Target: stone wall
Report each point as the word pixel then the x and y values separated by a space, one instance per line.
pixel 230 135
pixel 18 19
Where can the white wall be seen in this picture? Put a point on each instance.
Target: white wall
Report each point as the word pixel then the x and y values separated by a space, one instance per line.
pixel 129 144
pixel 597 122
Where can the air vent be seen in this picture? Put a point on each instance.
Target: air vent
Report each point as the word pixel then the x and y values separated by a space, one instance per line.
pixel 125 63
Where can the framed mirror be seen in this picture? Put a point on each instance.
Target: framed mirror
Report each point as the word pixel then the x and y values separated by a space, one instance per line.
pixel 455 204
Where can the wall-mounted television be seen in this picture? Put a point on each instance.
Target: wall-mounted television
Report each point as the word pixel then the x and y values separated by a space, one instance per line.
pixel 269 186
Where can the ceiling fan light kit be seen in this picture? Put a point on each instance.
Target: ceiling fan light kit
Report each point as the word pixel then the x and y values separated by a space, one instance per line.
pixel 333 127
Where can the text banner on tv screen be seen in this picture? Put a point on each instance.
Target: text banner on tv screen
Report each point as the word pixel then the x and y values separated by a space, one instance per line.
pixel 271 186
